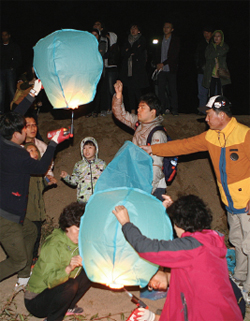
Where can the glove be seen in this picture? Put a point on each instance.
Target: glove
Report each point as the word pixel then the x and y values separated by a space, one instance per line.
pixel 59 136
pixel 36 88
pixel 145 315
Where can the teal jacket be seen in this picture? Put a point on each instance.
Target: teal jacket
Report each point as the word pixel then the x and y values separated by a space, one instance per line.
pixel 55 255
pixel 213 51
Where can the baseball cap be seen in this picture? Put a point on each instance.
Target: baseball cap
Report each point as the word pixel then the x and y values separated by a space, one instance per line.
pixel 217 102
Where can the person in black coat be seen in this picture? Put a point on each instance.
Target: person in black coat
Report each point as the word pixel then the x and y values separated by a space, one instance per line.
pixel 133 69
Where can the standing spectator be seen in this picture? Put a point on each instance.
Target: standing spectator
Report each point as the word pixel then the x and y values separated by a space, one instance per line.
pixel 200 62
pixel 110 72
pixel 166 60
pixel 216 58
pixel 133 70
pixel 10 60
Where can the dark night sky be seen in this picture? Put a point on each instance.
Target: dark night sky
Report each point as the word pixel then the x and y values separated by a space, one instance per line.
pixel 31 20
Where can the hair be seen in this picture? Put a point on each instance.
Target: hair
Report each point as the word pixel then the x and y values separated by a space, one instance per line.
pixel 96 31
pixel 135 24
pixel 152 101
pixel 26 145
pixel 208 29
pixel 89 142
pixel 10 123
pixel 190 213
pixel 168 21
pixel 29 114
pixel 71 215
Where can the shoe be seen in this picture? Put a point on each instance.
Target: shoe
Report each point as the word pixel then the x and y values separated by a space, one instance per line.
pixel 109 112
pixel 246 297
pixel 89 115
pixel 167 111
pixel 175 114
pixel 239 283
pixel 94 115
pixel 76 310
pixel 103 113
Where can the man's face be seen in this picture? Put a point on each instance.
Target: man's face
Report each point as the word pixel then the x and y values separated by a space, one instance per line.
pixel 207 35
pixel 167 29
pixel 145 115
pixel 134 30
pixel 31 127
pixel 214 120
pixel 5 37
pixel 97 25
pixel 20 137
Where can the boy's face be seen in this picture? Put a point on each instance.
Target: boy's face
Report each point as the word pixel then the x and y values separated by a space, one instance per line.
pixel 89 152
pixel 31 127
pixel 145 115
pixel 33 151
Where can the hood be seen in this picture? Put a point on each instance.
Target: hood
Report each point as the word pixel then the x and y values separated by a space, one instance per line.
pixel 212 240
pixel 84 141
pixel 112 38
pixel 222 37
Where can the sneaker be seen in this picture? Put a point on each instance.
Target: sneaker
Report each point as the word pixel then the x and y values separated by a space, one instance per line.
pixel 167 111
pixel 76 310
pixel 94 115
pixel 109 112
pixel 239 283
pixel 246 297
pixel 103 113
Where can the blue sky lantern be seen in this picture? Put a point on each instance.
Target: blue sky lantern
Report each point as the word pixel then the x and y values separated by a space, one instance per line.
pixel 69 65
pixel 107 257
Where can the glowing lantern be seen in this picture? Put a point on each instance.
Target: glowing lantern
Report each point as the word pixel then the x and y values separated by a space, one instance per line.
pixel 70 66
pixel 107 257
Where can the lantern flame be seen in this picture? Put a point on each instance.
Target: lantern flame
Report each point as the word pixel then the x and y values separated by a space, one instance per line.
pixel 115 286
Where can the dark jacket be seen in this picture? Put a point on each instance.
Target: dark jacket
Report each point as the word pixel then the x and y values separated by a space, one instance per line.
pixel 10 56
pixel 139 58
pixel 173 54
pixel 16 166
pixel 200 59
pixel 213 51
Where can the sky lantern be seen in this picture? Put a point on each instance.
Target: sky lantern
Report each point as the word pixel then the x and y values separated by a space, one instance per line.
pixel 69 65
pixel 107 257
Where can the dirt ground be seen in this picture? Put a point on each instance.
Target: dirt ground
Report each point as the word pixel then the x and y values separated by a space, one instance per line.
pixel 195 175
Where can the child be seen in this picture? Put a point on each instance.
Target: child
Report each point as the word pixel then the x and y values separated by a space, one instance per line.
pixel 36 207
pixel 199 286
pixel 87 171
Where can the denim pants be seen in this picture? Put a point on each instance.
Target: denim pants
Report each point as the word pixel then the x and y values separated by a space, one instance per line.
pixel 202 91
pixel 7 81
pixel 18 242
pixel 54 303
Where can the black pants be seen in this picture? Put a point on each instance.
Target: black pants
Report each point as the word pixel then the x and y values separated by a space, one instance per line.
pixel 168 79
pixel 54 303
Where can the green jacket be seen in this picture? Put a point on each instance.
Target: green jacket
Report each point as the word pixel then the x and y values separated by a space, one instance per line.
pixel 49 270
pixel 213 51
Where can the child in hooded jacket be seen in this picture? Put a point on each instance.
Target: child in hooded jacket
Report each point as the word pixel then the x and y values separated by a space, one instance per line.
pixel 87 171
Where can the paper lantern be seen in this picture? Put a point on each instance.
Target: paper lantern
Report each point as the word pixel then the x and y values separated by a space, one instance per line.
pixel 131 167
pixel 107 257
pixel 70 66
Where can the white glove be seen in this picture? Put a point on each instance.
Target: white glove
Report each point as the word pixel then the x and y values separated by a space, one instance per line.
pixel 145 315
pixel 36 88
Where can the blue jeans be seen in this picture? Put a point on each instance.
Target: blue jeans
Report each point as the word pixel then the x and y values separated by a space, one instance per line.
pixel 202 91
pixel 7 81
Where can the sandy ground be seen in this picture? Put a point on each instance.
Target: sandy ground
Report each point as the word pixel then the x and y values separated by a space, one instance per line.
pixel 195 175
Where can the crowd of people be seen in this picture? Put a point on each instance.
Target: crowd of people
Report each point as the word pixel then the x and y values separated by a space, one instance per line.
pixel 197 275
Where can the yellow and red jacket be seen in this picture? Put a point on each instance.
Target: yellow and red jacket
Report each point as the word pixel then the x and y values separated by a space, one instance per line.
pixel 229 150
